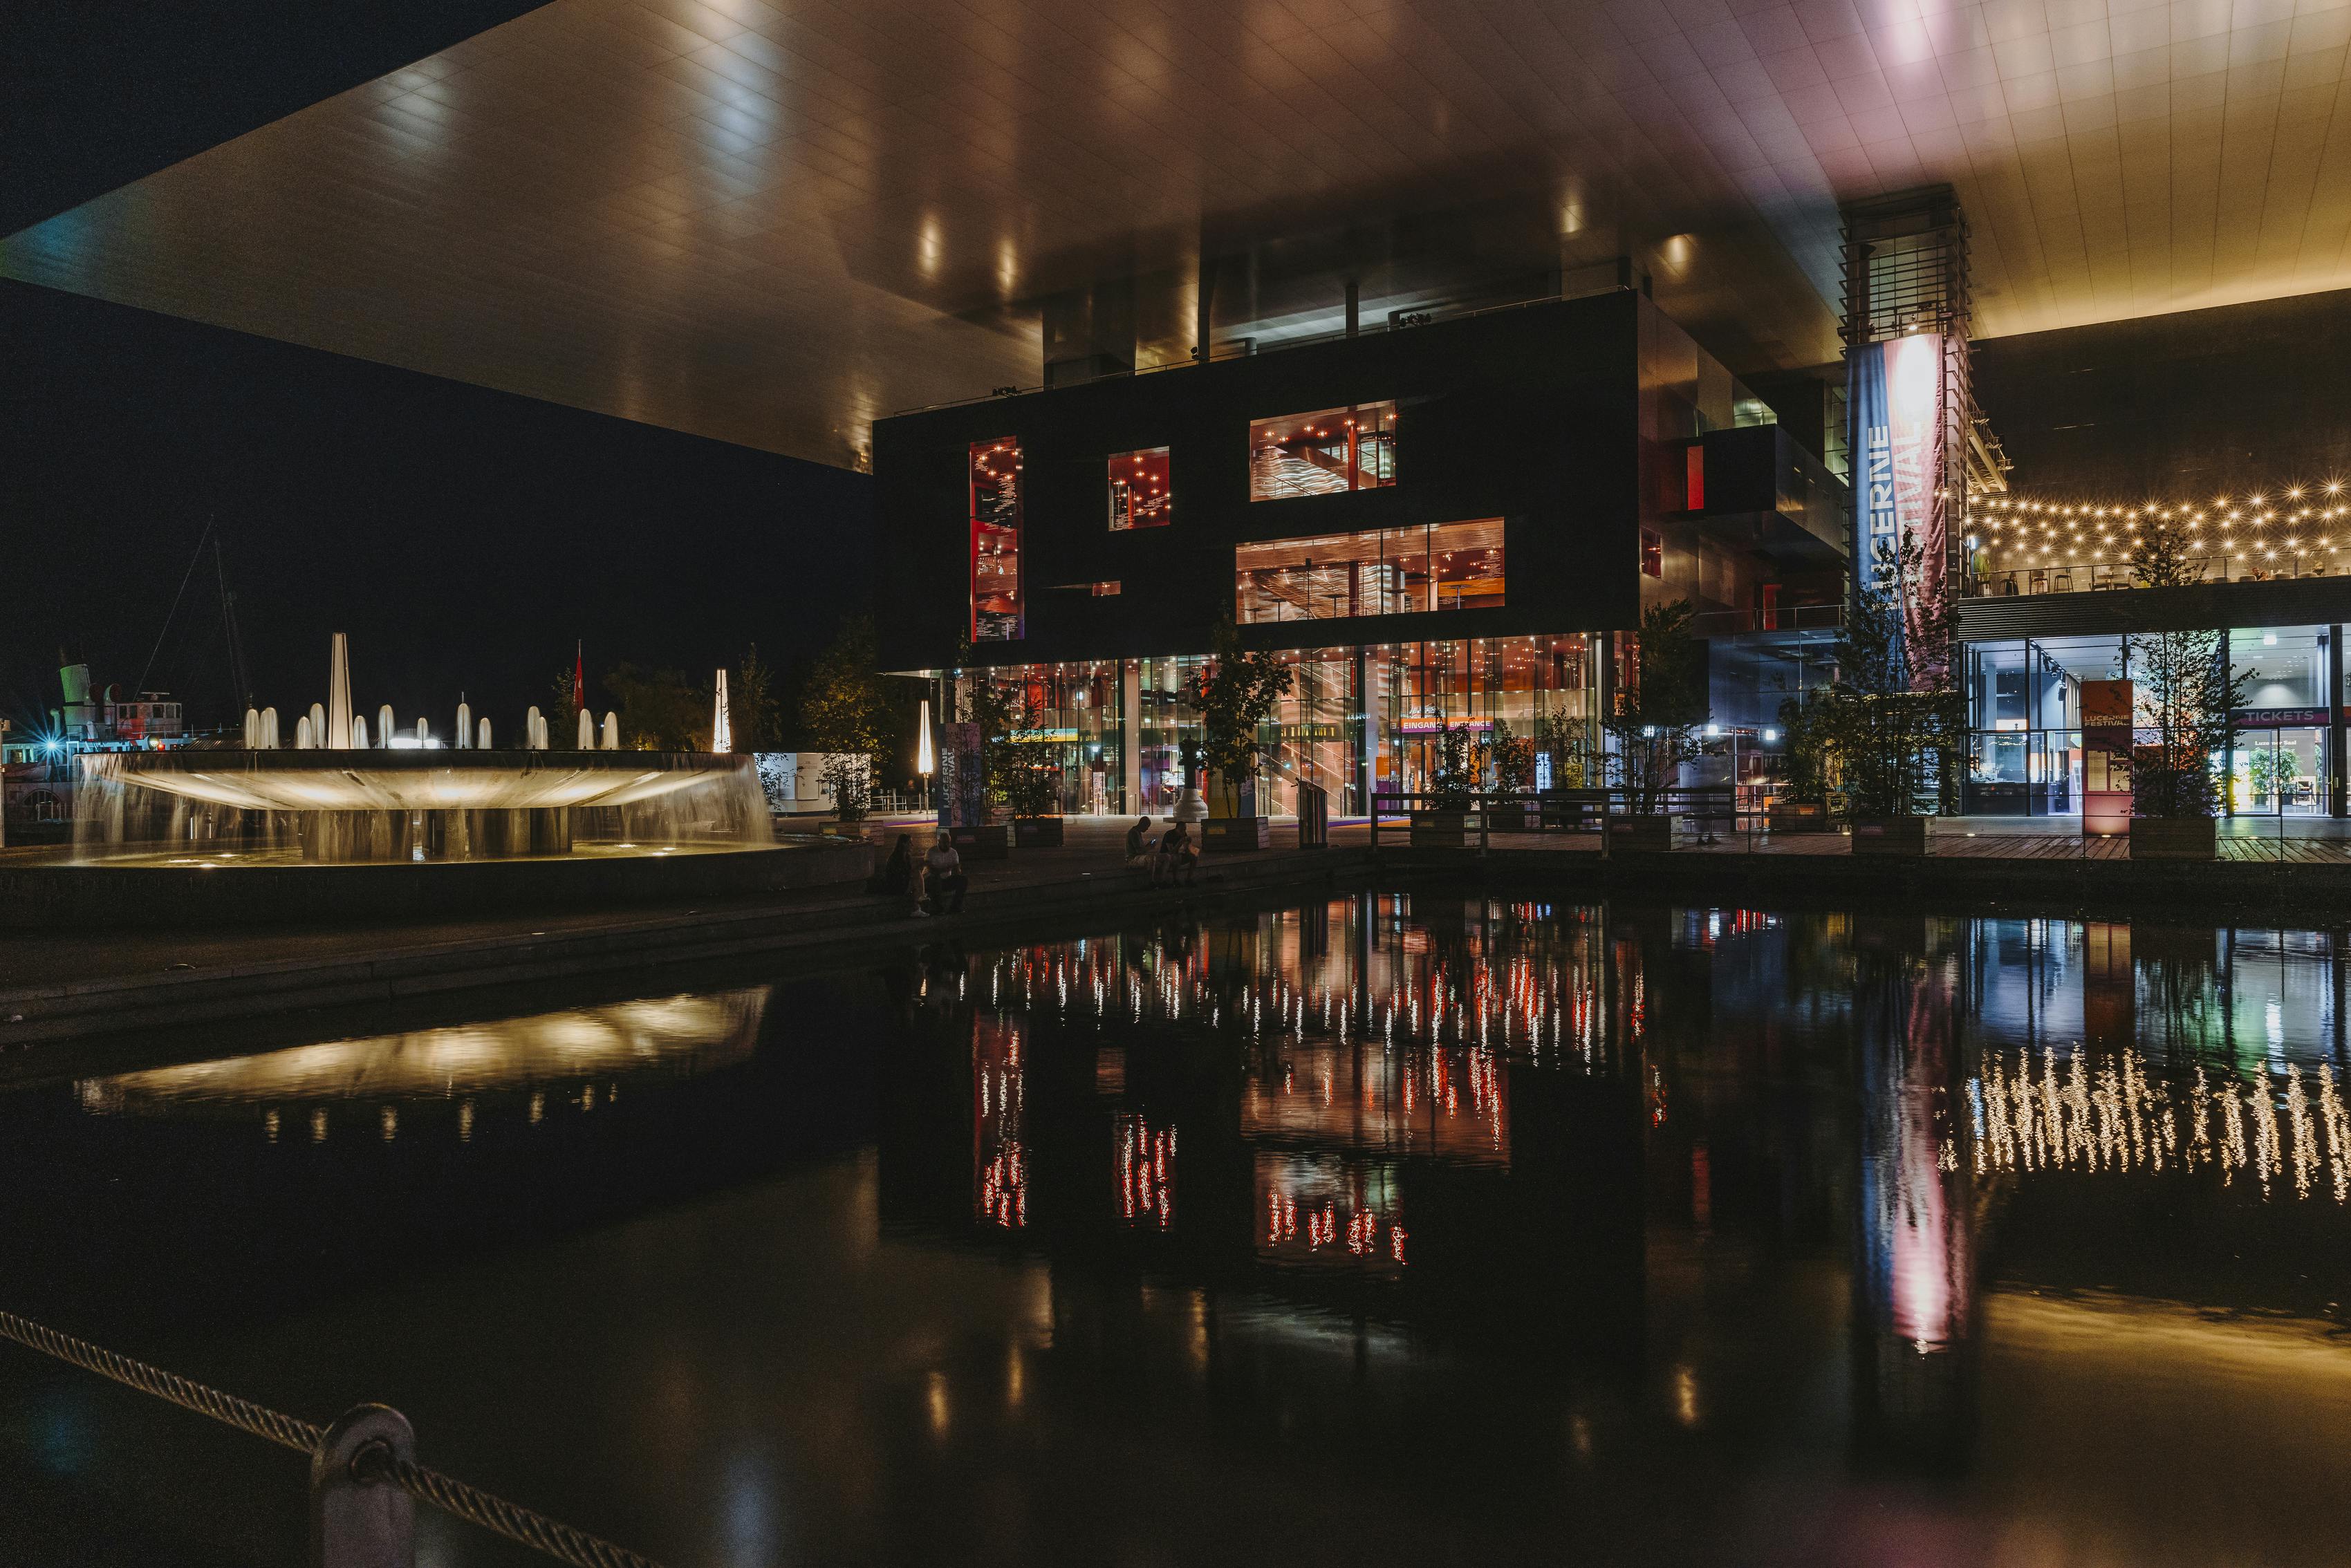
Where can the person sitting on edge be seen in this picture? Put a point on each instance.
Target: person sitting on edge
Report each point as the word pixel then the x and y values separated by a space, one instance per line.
pixel 1177 859
pixel 896 877
pixel 1138 853
pixel 942 869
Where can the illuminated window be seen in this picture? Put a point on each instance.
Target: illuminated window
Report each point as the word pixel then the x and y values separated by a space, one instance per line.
pixel 1653 553
pixel 1141 494
pixel 1380 571
pixel 1325 453
pixel 996 615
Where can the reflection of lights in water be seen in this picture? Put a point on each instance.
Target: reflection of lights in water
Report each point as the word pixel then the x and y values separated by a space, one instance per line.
pixel 2069 1113
pixel 1146 1171
pixel 686 1032
pixel 936 1402
pixel 1686 1396
pixel 1329 1212
pixel 1000 1184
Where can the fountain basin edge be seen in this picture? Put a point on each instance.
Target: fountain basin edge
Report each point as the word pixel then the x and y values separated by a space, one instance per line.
pixel 39 890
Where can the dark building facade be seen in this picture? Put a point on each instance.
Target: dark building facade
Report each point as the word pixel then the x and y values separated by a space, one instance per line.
pixel 1447 523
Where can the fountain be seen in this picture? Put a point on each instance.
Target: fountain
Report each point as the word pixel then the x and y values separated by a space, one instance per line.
pixel 326 823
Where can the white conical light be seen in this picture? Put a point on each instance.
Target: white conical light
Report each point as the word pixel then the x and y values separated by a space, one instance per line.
pixel 385 724
pixel 722 727
pixel 465 725
pixel 318 723
pixel 423 732
pixel 358 734
pixel 587 730
pixel 269 737
pixel 253 729
pixel 302 733
pixel 612 731
pixel 483 742
pixel 339 696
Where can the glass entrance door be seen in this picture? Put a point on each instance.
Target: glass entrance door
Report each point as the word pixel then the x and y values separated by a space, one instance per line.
pixel 2275 772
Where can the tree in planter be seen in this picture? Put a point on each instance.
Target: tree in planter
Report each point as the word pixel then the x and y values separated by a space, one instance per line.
pixel 1514 761
pixel 1895 724
pixel 1656 722
pixel 1808 718
pixel 1002 710
pixel 1234 695
pixel 1564 739
pixel 1033 790
pixel 2183 690
pixel 840 709
pixel 1453 782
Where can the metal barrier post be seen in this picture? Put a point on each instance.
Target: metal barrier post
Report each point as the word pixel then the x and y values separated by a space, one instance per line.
pixel 1484 816
pixel 1607 797
pixel 359 1517
pixel 1376 822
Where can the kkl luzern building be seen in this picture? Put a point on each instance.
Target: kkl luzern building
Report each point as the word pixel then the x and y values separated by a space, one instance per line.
pixel 1456 523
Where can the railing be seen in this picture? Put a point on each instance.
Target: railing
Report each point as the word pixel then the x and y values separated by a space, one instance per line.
pixel 2085 577
pixel 364 1478
pixel 1709 808
pixel 1781 617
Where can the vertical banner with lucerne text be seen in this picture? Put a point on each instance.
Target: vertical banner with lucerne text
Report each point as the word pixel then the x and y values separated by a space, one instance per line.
pixel 1895 394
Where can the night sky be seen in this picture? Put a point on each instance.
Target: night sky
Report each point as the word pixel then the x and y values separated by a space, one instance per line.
pixel 463 537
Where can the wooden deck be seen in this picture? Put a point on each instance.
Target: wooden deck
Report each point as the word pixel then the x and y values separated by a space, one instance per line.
pixel 2294 849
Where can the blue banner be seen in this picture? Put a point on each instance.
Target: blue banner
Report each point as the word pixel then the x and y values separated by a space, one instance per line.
pixel 1876 525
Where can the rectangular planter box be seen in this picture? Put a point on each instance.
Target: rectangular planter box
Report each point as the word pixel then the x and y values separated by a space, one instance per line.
pixel 1642 830
pixel 1037 832
pixel 1904 836
pixel 838 829
pixel 1237 834
pixel 992 842
pixel 2174 838
pixel 1799 817
pixel 1439 830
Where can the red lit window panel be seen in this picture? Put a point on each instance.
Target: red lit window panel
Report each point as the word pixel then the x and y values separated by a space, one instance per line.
pixel 1141 494
pixel 995 609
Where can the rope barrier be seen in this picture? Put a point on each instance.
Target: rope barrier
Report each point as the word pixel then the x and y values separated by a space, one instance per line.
pixel 446 1493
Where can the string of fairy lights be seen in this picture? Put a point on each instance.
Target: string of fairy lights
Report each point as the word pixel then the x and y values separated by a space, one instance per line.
pixel 2297 520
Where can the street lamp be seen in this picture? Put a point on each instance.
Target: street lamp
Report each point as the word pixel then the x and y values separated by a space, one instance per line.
pixel 927 761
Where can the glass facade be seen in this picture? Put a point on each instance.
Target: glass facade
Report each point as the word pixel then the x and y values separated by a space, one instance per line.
pixel 2024 705
pixel 1326 452
pixel 1355 720
pixel 996 608
pixel 1074 726
pixel 2024 702
pixel 1142 490
pixel 1380 571
pixel 1165 723
pixel 2281 666
pixel 1546 689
